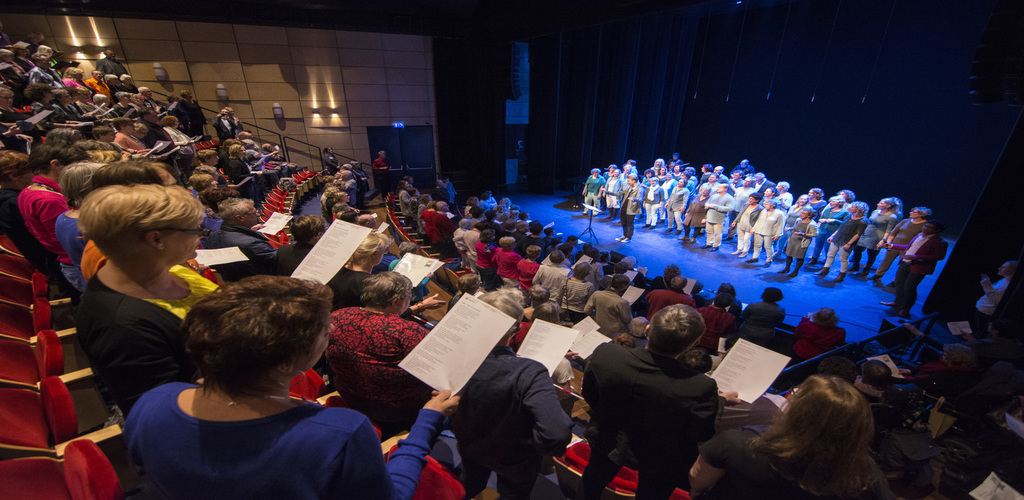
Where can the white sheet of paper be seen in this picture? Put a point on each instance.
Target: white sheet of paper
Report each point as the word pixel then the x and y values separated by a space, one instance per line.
pixel 449 355
pixel 449 215
pixel 749 369
pixel 994 488
pixel 1015 424
pixel 631 274
pixel 585 258
pixel 586 342
pixel 547 343
pixel 586 325
pixel 632 294
pixel 276 223
pixel 416 267
pixel 212 257
pixel 890 363
pixel 383 227
pixel 240 184
pixel 690 283
pixel 331 252
pixel 36 118
pixel 550 224
pixel 959 328
pixel 643 270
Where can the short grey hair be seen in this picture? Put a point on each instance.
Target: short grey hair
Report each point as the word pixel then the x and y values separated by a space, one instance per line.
pixel 508 301
pixel 121 95
pixel 381 289
pixel 76 181
pixel 233 207
pixel 674 330
pixel 100 98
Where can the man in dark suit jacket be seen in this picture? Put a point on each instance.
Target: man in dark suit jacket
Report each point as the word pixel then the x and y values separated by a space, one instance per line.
pixel 648 407
pixel 226 125
pixel 239 217
pixel 761 183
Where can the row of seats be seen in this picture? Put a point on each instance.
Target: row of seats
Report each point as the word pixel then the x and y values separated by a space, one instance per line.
pixel 53 443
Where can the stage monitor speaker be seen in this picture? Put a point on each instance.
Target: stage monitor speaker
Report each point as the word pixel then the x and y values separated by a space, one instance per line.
pixel 616 256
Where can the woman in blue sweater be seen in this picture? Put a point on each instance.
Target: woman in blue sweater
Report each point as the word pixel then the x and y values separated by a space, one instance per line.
pixel 240 435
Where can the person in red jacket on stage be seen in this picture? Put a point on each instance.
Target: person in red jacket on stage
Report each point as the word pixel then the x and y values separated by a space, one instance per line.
pixel 918 261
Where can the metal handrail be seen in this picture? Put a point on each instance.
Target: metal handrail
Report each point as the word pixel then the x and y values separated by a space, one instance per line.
pixel 281 139
pixel 857 347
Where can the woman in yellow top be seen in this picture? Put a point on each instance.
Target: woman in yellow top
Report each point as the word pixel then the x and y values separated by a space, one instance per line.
pixel 129 321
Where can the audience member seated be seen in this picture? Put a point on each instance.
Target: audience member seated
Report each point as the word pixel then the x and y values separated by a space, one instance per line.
pixel 817 334
pixel 306 231
pixel 761 318
pixel 674 294
pixel 230 436
pixel 608 309
pixel 510 416
pixel 129 321
pixel 240 229
pixel 719 323
pixel 348 283
pixel 468 284
pixel 366 345
pixel 819 448
pixel 955 372
pixel 875 377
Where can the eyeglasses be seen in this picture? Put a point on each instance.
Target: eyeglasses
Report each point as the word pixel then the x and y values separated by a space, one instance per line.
pixel 201 232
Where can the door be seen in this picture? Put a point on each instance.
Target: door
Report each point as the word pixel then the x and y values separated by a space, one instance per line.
pixel 411 150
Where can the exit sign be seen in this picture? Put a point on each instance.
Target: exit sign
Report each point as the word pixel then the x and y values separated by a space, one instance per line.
pixel 398 124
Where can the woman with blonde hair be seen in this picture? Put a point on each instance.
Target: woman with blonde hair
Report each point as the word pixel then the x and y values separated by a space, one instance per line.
pixel 819 448
pixel 129 321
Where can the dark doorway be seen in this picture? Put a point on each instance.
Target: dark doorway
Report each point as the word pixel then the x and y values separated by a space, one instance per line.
pixel 411 150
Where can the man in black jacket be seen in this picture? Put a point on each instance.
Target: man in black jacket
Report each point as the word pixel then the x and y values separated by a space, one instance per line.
pixel 648 408
pixel 237 231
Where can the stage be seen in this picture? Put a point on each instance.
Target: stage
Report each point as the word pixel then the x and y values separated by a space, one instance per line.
pixel 856 300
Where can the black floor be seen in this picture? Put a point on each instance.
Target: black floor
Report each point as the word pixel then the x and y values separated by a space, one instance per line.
pixel 856 300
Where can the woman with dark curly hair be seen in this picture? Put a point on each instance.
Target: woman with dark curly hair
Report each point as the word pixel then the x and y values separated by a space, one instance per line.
pixel 761 318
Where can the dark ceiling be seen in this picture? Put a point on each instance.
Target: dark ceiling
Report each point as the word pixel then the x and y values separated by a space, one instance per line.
pixel 497 20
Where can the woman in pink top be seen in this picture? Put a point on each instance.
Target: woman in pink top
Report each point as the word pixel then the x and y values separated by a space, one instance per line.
pixel 485 250
pixel 528 267
pixel 507 259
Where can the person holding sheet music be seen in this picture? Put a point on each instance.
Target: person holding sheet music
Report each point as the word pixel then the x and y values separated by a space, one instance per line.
pixel 367 343
pixel 266 443
pixel 648 402
pixel 509 416
pixel 237 170
pixel 241 229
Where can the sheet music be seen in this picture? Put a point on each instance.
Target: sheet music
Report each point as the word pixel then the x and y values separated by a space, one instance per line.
pixel 416 267
pixel 331 252
pixel 585 258
pixel 630 274
pixel 38 117
pixel 586 342
pixel 276 223
pixel 586 325
pixel 895 370
pixel 749 369
pixel 642 270
pixel 451 353
pixel 240 184
pixel 632 294
pixel 592 207
pixel 383 227
pixel 959 328
pixel 547 343
pixel 215 256
pixel 690 283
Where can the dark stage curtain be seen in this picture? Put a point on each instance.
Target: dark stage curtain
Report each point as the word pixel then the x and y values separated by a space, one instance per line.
pixel 607 93
pixel 471 80
pixel 991 237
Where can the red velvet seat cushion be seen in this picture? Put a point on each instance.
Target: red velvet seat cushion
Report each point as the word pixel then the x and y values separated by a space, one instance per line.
pixel 88 472
pixel 308 385
pixel 18 362
pixel 17 267
pixel 33 479
pixel 59 409
pixel 21 419
pixel 16 321
pixel 49 354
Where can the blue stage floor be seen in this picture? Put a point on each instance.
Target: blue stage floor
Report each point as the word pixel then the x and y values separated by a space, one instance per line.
pixel 856 300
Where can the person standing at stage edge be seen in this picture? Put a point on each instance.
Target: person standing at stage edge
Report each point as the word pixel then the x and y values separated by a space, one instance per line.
pixel 382 173
pixel 631 198
pixel 592 190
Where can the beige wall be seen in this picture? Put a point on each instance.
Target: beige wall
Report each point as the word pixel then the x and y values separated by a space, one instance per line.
pixel 353 79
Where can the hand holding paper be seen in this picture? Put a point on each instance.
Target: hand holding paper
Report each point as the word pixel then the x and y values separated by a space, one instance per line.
pixel 749 369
